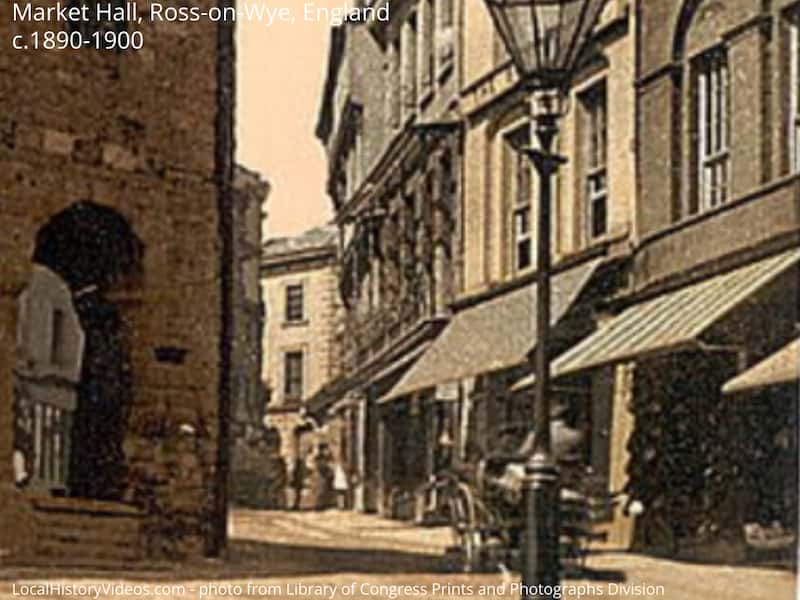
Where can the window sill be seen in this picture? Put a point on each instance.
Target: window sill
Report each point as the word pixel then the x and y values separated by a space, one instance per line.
pixel 730 205
pixel 605 238
pixel 290 324
pixel 615 237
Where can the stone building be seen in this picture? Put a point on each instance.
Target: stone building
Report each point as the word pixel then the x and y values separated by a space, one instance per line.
pixel 248 397
pixel 711 287
pixel 299 279
pixel 115 296
pixel 394 146
pixel 675 239
pixel 483 350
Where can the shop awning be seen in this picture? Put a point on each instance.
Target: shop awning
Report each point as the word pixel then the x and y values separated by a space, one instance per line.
pixel 496 334
pixel 670 321
pixel 778 368
pixel 400 363
pixel 332 394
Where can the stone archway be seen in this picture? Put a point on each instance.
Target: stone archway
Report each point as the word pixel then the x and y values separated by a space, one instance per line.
pixel 92 250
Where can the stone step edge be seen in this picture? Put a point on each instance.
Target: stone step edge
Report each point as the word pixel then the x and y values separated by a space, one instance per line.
pixel 85 506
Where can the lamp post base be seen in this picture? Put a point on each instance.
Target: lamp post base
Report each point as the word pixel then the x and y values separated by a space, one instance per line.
pixel 540 566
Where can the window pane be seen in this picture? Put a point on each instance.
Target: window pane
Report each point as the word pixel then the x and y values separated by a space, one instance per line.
pixel 599 225
pixel 594 142
pixel 523 254
pixel 712 126
pixel 293 375
pixel 522 222
pixel 294 303
pixel 523 180
pixel 597 205
pixel 446 8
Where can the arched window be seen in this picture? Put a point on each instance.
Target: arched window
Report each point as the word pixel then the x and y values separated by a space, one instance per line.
pixel 701 52
pixel 710 111
pixel 792 97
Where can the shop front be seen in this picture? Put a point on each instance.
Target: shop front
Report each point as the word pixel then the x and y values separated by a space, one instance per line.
pixel 703 472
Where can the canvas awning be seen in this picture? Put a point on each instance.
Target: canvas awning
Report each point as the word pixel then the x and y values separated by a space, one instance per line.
pixel 670 321
pixel 494 335
pixel 778 368
pixel 399 363
pixel 333 393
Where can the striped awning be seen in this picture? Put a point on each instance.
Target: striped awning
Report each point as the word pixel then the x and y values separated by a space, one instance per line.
pixel 494 335
pixel 779 368
pixel 670 321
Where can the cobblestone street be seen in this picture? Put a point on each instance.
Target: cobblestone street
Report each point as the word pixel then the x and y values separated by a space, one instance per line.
pixel 337 555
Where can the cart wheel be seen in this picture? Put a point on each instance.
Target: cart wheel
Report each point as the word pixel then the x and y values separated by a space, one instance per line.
pixel 465 529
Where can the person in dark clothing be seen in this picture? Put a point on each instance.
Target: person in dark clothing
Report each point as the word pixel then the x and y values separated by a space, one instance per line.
pixel 298 480
pixel 322 478
pixel 97 466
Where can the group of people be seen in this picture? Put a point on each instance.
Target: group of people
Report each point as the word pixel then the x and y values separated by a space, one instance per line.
pixel 265 479
pixel 318 481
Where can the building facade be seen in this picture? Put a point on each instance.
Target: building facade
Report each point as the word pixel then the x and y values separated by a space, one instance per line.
pixel 248 397
pixel 116 287
pixel 299 279
pixel 716 239
pixel 394 148
pixel 675 240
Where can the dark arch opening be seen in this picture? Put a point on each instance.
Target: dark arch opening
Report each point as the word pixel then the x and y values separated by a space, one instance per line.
pixel 94 249
pixel 89 244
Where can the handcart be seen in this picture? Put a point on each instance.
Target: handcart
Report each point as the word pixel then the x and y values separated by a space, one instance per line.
pixel 484 509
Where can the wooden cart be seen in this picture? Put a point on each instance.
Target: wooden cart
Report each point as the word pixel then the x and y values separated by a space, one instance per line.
pixel 486 518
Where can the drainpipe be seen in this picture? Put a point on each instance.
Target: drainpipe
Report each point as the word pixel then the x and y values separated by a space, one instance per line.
pixel 223 175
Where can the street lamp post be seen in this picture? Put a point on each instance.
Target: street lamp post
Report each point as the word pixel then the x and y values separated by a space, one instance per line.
pixel 544 39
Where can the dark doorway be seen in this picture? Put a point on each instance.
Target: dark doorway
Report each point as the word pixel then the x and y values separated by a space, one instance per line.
pixel 93 249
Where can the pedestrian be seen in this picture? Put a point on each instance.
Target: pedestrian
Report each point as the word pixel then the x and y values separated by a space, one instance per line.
pixel 340 486
pixel 298 480
pixel 276 477
pixel 322 495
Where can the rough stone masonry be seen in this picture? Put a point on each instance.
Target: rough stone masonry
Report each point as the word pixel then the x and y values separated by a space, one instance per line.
pixel 148 135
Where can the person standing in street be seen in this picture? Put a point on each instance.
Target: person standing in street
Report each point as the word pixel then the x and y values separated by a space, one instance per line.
pixel 340 486
pixel 298 480
pixel 322 478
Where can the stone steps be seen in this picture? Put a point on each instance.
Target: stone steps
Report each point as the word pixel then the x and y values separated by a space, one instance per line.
pixel 89 532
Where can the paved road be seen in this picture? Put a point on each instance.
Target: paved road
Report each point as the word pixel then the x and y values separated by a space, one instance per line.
pixel 311 555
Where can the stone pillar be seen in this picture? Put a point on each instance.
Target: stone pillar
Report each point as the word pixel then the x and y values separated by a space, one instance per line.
pixel 439 238
pixel 622 424
pixel 659 148
pixel 359 441
pixel 380 478
pixel 8 328
pixel 408 66
pixel 749 143
pixel 393 92
pixel 17 520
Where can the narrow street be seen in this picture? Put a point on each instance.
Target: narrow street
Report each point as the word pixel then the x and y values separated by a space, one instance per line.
pixel 341 554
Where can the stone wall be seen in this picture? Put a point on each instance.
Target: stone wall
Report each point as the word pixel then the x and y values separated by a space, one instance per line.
pixel 672 36
pixel 147 134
